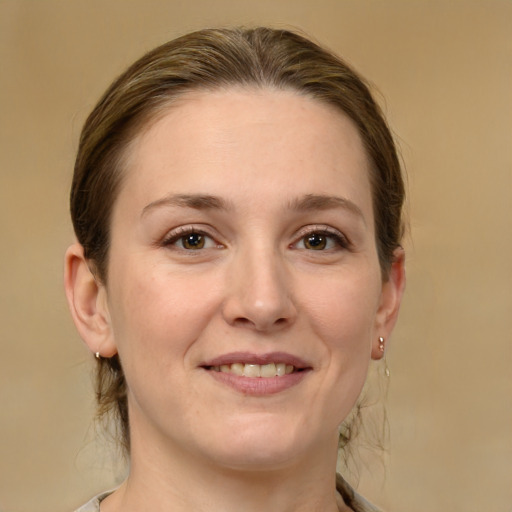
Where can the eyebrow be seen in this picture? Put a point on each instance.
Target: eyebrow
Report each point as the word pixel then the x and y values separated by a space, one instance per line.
pixel 325 202
pixel 195 201
pixel 309 202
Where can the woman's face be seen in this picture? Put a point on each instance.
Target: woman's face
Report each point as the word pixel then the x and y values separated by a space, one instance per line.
pixel 243 244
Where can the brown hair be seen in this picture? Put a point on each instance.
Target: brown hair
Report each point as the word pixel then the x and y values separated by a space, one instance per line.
pixel 211 59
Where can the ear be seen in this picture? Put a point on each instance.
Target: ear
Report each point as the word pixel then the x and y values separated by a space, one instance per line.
pixel 87 300
pixel 391 297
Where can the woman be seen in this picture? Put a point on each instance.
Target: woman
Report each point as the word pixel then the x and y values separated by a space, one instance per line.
pixel 237 204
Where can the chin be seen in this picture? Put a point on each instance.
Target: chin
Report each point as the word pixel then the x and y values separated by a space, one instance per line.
pixel 262 447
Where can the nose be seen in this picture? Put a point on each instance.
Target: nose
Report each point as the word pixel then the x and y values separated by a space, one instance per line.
pixel 260 294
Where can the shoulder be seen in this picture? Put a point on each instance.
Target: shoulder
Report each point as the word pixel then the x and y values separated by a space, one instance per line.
pixel 94 504
pixel 356 502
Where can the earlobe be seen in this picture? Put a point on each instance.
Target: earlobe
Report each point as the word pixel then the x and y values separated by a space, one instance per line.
pixel 87 300
pixel 391 298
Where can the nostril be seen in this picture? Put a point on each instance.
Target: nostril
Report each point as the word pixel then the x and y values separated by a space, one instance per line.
pixel 259 325
pixel 241 321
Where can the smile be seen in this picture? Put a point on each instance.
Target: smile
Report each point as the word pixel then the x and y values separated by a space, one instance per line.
pixel 255 370
pixel 258 374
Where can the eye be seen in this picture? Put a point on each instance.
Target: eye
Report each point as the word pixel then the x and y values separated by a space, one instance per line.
pixel 192 241
pixel 189 240
pixel 324 239
pixel 315 241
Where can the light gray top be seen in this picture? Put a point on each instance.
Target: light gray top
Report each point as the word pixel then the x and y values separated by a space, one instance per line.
pixel 94 504
pixel 356 502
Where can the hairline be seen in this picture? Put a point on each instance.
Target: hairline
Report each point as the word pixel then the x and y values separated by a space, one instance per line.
pixel 141 124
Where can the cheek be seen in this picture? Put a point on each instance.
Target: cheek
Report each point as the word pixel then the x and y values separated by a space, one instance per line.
pixel 157 316
pixel 342 312
pixel 342 315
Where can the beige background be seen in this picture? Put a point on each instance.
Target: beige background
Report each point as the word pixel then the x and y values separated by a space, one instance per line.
pixel 444 69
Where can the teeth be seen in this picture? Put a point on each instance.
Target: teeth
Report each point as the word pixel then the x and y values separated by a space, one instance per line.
pixel 268 370
pixel 255 370
pixel 252 370
pixel 237 369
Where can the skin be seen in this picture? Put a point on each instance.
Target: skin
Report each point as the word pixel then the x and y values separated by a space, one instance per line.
pixel 245 164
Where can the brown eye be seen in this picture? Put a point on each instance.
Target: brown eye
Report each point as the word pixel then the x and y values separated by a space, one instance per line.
pixel 189 239
pixel 193 241
pixel 315 241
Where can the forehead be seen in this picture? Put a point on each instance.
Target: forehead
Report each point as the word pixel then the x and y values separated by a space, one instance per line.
pixel 226 110
pixel 213 141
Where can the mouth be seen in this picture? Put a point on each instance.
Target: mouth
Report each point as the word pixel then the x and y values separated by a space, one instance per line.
pixel 255 371
pixel 258 376
pixel 274 371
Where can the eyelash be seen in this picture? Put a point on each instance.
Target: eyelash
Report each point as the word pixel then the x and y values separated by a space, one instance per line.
pixel 339 239
pixel 179 234
pixel 331 234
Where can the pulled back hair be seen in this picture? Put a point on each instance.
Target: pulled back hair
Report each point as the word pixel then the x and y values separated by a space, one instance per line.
pixel 207 60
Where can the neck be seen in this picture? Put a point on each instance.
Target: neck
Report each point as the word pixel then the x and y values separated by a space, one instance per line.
pixel 172 480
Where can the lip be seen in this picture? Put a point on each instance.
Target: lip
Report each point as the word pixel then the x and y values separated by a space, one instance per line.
pixel 258 386
pixel 252 358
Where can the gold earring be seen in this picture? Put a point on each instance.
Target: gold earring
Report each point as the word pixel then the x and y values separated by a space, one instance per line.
pixel 381 348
